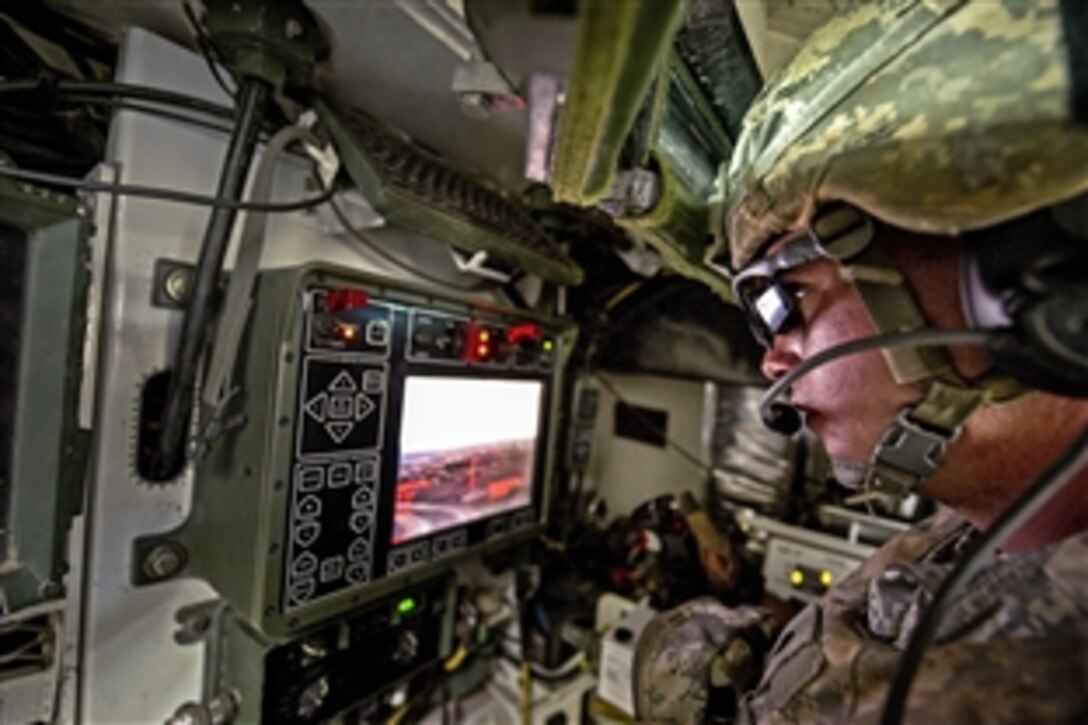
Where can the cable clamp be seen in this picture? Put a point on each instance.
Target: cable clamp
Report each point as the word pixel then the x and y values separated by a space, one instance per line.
pixel 219 423
pixel 326 158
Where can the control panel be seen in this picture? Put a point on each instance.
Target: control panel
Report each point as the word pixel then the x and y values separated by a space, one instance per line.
pixel 387 433
pixel 802 564
pixel 339 666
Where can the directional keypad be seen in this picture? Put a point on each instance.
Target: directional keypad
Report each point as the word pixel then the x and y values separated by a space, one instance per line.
pixel 343 403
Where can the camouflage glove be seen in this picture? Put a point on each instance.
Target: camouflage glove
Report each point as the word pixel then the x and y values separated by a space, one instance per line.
pixel 694 661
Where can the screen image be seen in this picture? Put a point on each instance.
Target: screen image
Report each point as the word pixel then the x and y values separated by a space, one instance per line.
pixel 467 451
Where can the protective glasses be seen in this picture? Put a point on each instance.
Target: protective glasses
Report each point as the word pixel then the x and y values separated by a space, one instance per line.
pixel 838 233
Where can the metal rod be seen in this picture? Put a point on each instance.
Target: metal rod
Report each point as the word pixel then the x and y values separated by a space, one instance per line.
pixel 253 98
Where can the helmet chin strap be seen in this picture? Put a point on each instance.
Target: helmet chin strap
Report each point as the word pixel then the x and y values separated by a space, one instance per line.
pixel 916 442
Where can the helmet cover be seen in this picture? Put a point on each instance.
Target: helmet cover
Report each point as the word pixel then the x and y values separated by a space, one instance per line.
pixel 936 116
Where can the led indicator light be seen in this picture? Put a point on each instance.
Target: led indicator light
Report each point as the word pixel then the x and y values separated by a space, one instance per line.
pixel 348 332
pixel 825 578
pixel 797 577
pixel 548 345
pixel 406 605
pixel 482 350
pixel 484 335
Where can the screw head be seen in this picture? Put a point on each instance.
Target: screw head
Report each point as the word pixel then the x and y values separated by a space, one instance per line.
pixel 163 561
pixel 176 285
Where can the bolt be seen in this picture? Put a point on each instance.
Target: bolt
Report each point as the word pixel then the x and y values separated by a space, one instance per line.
pixel 191 713
pixel 176 285
pixel 163 561
pixel 476 106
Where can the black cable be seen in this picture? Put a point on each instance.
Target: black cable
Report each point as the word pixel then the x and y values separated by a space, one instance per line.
pixel 1057 474
pixel 124 90
pixel 208 49
pixel 254 96
pixel 155 192
pixel 119 104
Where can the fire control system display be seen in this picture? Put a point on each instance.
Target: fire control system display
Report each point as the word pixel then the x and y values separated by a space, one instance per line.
pixel 467 452
pixel 418 434
pixel 389 433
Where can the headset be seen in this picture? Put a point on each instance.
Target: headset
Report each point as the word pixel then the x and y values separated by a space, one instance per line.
pixel 1029 279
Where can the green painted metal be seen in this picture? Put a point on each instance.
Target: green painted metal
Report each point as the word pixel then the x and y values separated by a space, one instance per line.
pixel 677 228
pixel 621 48
pixel 417 191
pixel 233 537
pixel 48 448
pixel 277 41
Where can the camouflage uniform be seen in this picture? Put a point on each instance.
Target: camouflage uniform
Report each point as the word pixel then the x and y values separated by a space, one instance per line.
pixel 1012 649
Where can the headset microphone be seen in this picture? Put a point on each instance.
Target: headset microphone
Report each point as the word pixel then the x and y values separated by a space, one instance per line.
pixel 782 418
pixel 785 419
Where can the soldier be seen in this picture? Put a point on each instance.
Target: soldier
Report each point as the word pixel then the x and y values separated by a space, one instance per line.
pixel 908 151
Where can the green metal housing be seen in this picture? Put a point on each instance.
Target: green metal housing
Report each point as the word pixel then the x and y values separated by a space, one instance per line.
pixel 417 191
pixel 233 537
pixel 44 483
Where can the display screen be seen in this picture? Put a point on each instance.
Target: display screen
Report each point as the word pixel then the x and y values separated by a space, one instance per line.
pixel 467 451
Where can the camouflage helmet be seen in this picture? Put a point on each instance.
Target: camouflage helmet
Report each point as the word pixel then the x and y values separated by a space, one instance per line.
pixel 936 116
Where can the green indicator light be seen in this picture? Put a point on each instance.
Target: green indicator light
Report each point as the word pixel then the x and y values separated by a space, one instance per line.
pixel 406 606
pixel 548 344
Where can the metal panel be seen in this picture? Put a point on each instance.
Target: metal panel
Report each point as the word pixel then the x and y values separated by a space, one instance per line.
pixel 133 670
pixel 41 487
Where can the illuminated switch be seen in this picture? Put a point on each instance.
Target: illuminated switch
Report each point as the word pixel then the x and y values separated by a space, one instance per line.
pixel 479 343
pixel 525 333
pixel 346 299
